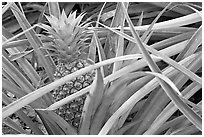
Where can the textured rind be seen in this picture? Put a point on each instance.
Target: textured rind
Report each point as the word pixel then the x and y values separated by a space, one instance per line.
pixel 68 49
pixel 72 111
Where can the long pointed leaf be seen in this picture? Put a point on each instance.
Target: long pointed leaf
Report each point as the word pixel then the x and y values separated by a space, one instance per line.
pixel 120 111
pixel 177 22
pixel 191 115
pixel 132 47
pixel 19 55
pixel 93 100
pixel 144 36
pixel 34 40
pixel 92 50
pixel 187 131
pixel 192 44
pixel 160 100
pixel 101 53
pixel 13 125
pixel 170 109
pixel 55 124
pixel 165 58
pixel 120 41
pixel 17 75
pixel 54 9
pixel 139 64
pixel 50 125
pixel 8 110
pixel 23 117
pixel 100 115
pixel 23 63
pixel 13 88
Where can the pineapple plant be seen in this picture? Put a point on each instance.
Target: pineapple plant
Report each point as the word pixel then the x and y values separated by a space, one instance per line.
pixel 121 103
pixel 68 51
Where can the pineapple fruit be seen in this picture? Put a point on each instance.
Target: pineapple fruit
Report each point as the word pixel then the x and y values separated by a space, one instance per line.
pixel 68 48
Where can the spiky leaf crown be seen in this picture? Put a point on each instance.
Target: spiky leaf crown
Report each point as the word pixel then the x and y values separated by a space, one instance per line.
pixel 67 32
pixel 65 26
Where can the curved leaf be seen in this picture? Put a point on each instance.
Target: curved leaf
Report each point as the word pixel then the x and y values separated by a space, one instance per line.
pixel 55 124
pixel 54 9
pixel 188 112
pixel 34 40
pixel 92 102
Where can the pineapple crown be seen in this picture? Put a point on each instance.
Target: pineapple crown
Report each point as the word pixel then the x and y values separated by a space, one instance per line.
pixel 67 32
pixel 65 27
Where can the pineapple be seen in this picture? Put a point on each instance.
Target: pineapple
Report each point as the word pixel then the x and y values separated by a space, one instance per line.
pixel 68 48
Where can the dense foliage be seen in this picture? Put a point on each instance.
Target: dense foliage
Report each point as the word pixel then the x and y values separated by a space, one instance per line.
pixel 102 68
